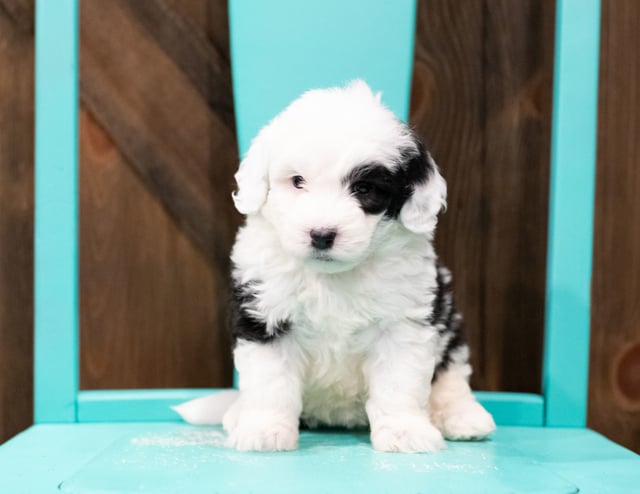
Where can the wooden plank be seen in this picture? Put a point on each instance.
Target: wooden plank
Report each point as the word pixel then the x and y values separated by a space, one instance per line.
pixel 152 307
pixel 144 405
pixel 448 112
pixel 481 98
pixel 170 457
pixel 183 153
pixel 518 69
pixel 211 17
pixel 20 13
pixel 16 227
pixel 159 124
pixel 571 206
pixel 192 51
pixel 56 213
pixel 614 387
pixel 511 409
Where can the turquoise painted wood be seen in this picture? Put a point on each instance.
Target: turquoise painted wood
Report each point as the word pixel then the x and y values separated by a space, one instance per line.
pixel 137 405
pixel 161 458
pixel 56 211
pixel 281 48
pixel 513 408
pixel 573 144
pixel 520 409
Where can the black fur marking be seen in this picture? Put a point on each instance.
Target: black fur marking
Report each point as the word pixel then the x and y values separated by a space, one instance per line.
pixel 381 190
pixel 416 168
pixel 247 326
pixel 373 185
pixel 446 319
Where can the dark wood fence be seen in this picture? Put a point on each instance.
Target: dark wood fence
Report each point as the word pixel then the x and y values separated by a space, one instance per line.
pixel 158 153
pixel 482 99
pixel 16 216
pixel 614 384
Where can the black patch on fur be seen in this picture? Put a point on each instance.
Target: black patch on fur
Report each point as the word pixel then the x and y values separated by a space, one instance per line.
pixel 388 190
pixel 446 319
pixel 379 181
pixel 246 326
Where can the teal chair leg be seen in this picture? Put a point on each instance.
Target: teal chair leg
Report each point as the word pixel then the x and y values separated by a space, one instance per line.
pixel 56 211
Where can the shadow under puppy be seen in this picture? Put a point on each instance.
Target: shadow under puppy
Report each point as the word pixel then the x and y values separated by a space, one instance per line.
pixel 342 314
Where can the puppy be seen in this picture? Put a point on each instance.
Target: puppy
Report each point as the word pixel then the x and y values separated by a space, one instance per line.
pixel 342 314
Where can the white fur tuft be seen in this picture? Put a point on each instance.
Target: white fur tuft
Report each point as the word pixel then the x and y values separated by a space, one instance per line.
pixel 420 213
pixel 252 180
pixel 207 410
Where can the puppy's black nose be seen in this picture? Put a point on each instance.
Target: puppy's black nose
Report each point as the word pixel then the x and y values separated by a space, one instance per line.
pixel 322 239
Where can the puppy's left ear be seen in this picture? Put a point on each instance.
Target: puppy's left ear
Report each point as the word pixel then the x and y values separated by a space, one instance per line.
pixel 428 192
pixel 252 180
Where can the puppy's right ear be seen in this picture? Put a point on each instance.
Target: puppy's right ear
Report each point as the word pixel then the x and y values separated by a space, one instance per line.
pixel 253 181
pixel 428 192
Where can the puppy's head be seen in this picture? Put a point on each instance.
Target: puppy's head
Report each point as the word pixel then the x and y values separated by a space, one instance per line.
pixel 332 170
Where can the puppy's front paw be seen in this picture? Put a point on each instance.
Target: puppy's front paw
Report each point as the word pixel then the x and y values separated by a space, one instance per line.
pixel 254 430
pixel 467 421
pixel 406 434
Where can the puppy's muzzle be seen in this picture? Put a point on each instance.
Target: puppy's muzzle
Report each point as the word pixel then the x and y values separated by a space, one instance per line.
pixel 322 239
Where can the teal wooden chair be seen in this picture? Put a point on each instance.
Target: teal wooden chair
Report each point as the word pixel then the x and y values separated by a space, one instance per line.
pixel 126 441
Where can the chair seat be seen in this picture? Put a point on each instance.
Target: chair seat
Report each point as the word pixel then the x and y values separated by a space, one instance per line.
pixel 178 458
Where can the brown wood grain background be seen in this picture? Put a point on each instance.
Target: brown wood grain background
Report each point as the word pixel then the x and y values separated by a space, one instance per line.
pixel 614 384
pixel 16 217
pixel 483 105
pixel 158 153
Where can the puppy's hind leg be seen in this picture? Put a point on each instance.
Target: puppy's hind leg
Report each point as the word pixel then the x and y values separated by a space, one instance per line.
pixel 453 408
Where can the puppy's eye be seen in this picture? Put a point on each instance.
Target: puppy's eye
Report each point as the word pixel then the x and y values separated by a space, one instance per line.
pixel 297 181
pixel 361 188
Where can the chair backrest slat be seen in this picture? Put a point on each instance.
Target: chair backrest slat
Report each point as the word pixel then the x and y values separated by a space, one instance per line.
pixel 569 255
pixel 282 48
pixel 56 211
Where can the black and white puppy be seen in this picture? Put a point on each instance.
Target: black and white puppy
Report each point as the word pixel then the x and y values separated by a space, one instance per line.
pixel 342 314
